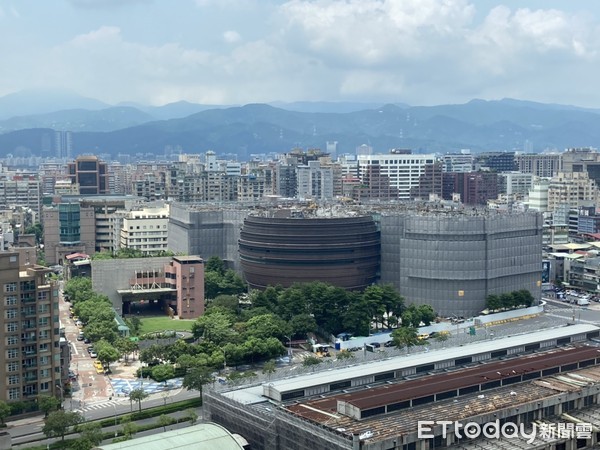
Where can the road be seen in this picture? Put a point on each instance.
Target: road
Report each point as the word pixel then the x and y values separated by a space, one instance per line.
pixel 21 442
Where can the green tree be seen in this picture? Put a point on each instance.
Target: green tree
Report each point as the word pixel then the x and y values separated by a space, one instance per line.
pixel 269 368
pixel 216 327
pixel 97 331
pixel 191 415
pixel 48 403
pixel 442 336
pixel 301 325
pixel 134 323
pixel 215 264
pixel 126 347
pixel 197 377
pixel 106 352
pixel 128 428
pixel 4 411
pixel 357 318
pixel 137 395
pixel 266 326
pixel 164 421
pixel 90 435
pixel 58 423
pixel 405 336
pixel 426 313
pixel 493 302
pixel 228 302
pixel 163 372
pixel 37 230
pixel 78 289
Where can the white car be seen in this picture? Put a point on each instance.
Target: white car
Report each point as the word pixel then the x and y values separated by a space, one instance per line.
pixel 93 354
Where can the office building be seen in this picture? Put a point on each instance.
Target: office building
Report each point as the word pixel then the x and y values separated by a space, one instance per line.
pixel 90 173
pixel 393 173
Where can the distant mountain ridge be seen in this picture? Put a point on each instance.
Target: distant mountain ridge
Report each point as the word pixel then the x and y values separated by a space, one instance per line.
pixel 479 125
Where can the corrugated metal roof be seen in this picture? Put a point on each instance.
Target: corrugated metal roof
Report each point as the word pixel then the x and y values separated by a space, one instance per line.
pixel 402 362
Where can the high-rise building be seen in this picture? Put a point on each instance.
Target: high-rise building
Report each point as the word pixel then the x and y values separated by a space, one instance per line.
pixel 29 331
pixel 404 171
pixel 63 144
pixel 68 228
pixel 90 173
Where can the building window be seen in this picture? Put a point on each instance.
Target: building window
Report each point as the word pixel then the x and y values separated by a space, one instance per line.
pixel 44 334
pixel 11 327
pixel 13 394
pixel 10 287
pixel 44 373
pixel 12 353
pixel 13 379
pixel 10 300
pixel 12 366
pixel 43 295
pixel 12 340
pixel 44 308
pixel 11 313
pixel 43 322
pixel 44 347
pixel 45 386
pixel 44 360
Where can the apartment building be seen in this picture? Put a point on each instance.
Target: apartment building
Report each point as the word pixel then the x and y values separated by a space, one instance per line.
pixel 29 331
pixel 146 230
pixel 539 164
pixel 573 189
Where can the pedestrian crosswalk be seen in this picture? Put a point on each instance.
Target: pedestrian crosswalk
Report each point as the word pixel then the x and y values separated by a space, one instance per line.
pixel 96 406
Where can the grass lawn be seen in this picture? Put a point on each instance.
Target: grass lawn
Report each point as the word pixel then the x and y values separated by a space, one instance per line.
pixel 160 323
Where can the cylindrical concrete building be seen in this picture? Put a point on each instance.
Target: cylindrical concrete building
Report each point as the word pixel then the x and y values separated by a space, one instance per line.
pixel 343 251
pixel 454 260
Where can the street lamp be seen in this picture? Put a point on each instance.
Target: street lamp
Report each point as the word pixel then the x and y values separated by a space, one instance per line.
pixel 115 407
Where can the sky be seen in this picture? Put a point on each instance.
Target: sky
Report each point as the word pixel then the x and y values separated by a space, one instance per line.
pixel 233 52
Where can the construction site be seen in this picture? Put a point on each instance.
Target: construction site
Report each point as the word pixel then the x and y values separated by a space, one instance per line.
pixel 546 383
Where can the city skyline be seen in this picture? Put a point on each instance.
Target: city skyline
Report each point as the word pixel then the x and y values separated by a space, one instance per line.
pixel 229 52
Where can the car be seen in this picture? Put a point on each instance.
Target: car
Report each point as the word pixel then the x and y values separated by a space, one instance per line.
pixel 86 340
pixel 93 354
pixel 80 338
pixel 389 344
pixel 375 344
pixel 90 348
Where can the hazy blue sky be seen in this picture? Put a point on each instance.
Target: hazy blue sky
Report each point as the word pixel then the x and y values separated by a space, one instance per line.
pixel 420 52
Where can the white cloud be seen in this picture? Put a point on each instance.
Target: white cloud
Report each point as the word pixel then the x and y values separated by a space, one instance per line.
pixel 236 51
pixel 231 36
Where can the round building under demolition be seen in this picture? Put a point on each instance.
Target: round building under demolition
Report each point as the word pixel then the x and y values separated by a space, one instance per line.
pixel 342 251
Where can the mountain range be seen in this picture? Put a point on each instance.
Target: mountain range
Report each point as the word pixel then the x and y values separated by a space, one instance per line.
pixel 27 122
